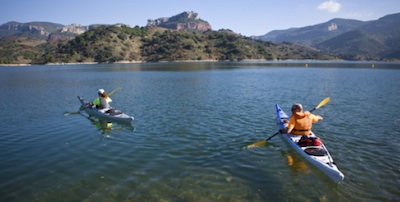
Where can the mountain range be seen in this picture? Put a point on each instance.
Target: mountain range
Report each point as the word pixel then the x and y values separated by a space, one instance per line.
pixel 349 39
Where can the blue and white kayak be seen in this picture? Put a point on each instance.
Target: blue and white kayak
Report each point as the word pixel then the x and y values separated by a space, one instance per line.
pixel 317 155
pixel 110 114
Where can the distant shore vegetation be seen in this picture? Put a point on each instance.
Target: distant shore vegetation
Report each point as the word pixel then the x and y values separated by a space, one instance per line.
pixel 109 44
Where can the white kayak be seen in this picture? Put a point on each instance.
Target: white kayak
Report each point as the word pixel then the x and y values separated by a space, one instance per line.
pixel 110 114
pixel 317 155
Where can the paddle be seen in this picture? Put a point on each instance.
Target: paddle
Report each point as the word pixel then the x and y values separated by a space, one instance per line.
pixel 263 142
pixel 113 91
pixel 69 113
pixel 321 104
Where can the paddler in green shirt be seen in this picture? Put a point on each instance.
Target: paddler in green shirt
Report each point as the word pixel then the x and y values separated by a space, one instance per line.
pixel 102 102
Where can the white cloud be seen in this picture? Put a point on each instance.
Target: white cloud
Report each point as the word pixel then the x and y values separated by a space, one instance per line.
pixel 330 5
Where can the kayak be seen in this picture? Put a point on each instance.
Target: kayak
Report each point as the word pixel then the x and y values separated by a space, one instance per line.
pixel 110 114
pixel 318 156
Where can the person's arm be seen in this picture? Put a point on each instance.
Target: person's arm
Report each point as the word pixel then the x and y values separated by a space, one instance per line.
pixel 315 118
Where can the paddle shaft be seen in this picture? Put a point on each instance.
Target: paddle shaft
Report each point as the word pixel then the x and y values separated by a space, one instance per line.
pixel 272 136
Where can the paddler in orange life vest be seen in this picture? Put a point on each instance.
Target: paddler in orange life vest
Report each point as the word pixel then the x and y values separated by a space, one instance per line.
pixel 102 101
pixel 301 122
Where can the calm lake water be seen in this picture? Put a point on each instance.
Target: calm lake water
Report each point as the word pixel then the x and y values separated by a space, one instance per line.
pixel 192 121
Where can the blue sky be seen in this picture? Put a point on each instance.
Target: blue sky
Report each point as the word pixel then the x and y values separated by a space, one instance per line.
pixel 247 17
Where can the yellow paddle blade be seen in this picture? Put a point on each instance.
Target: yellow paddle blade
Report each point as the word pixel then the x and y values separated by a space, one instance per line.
pixel 119 88
pixel 326 100
pixel 257 144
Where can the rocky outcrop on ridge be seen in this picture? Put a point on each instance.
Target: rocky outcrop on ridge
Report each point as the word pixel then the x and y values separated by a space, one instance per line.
pixel 186 20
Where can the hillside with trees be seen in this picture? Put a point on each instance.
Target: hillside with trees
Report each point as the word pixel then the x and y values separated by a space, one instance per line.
pixel 107 44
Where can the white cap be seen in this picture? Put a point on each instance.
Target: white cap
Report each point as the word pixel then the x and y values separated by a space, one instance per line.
pixel 101 91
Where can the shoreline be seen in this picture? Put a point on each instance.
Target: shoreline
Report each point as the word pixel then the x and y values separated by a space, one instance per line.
pixel 199 61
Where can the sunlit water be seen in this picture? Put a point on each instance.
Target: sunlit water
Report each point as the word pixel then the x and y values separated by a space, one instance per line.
pixel 192 121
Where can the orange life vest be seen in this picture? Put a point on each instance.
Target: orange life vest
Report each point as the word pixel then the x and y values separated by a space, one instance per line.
pixel 301 123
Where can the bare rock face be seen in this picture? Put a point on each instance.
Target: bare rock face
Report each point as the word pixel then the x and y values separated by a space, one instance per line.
pixel 74 28
pixel 20 28
pixel 185 20
pixel 193 25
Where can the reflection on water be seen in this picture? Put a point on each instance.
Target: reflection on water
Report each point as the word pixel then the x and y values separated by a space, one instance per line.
pixel 106 126
pixel 103 125
pixel 294 161
pixel 207 66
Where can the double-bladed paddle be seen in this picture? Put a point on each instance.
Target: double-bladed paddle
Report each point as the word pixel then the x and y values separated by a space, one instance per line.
pixel 264 142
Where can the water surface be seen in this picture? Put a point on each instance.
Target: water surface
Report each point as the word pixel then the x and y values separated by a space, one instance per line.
pixel 192 121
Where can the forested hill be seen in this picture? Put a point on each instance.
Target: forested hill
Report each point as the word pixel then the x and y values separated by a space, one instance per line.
pixel 122 43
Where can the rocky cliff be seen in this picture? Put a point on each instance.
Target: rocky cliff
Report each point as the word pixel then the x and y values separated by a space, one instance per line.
pixel 33 29
pixel 75 29
pixel 186 20
pixel 41 30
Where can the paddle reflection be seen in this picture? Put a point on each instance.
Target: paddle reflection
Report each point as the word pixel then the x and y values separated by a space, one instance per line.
pixel 295 163
pixel 261 143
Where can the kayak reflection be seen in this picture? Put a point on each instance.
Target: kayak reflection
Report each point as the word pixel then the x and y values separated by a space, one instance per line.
pixel 106 126
pixel 297 166
pixel 103 125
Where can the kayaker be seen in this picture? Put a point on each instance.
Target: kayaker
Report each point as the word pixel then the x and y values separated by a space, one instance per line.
pixel 301 122
pixel 102 102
